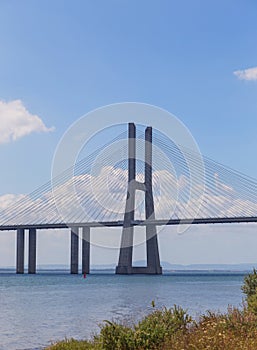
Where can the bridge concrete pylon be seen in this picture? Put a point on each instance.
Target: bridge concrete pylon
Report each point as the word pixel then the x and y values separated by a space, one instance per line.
pixel 125 265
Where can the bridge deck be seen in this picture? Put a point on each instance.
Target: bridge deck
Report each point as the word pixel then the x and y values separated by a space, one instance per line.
pixel 160 222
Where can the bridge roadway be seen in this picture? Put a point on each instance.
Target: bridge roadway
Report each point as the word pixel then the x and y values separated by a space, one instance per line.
pixel 157 222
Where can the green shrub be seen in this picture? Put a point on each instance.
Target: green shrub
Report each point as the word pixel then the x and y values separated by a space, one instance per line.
pixel 73 344
pixel 160 325
pixel 115 336
pixel 149 333
pixel 249 288
pixel 252 303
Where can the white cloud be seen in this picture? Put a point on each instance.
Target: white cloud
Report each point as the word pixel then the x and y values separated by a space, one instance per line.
pixel 16 121
pixel 246 74
pixel 7 200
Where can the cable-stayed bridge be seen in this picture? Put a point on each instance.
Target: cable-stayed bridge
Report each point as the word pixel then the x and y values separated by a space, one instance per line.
pixel 139 177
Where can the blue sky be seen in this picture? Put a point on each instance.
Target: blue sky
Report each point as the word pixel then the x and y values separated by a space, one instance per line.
pixel 62 59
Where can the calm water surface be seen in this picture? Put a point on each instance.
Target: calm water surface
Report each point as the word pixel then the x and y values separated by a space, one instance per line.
pixel 38 309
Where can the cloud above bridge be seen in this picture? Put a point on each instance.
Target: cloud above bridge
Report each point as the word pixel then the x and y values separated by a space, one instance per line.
pixel 247 74
pixel 16 121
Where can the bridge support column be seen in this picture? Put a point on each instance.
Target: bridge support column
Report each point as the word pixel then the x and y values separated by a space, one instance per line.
pixel 85 249
pixel 153 258
pixel 20 251
pixel 32 250
pixel 126 249
pixel 74 261
pixel 125 259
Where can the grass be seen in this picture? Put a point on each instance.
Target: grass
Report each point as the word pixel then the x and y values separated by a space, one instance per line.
pixel 174 329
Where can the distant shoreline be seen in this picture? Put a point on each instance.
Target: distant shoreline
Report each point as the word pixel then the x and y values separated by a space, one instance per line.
pixel 168 267
pixel 109 271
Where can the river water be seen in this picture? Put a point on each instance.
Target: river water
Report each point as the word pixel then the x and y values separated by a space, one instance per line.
pixel 36 310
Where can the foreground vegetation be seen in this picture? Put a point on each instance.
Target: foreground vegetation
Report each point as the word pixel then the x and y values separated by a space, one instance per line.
pixel 174 329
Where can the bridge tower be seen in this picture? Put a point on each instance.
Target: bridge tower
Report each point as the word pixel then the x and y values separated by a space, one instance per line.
pixel 126 249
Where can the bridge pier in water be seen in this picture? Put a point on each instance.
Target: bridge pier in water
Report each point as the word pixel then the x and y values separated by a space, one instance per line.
pixel 20 251
pixel 74 257
pixel 85 249
pixel 126 250
pixel 74 262
pixel 31 252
